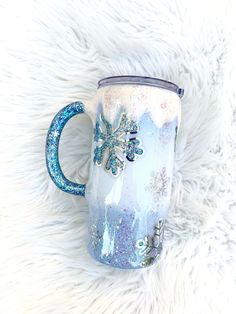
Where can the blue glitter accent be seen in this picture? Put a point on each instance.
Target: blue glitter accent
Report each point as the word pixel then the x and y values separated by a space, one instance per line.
pixel 116 142
pixel 114 163
pixel 52 143
pixel 132 149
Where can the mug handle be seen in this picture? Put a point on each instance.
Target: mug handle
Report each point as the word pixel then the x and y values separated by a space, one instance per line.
pixel 52 144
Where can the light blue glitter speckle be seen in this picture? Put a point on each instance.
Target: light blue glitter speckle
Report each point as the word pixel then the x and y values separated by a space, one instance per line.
pixel 52 143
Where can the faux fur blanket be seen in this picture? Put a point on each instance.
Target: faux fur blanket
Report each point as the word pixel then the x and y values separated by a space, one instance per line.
pixel 53 53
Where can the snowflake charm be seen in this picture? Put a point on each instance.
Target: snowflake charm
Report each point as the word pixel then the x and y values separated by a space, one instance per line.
pixel 151 246
pixel 115 144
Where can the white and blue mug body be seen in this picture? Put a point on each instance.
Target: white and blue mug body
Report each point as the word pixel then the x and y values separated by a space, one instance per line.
pixel 135 120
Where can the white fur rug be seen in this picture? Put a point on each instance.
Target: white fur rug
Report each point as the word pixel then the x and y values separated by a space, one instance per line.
pixel 54 52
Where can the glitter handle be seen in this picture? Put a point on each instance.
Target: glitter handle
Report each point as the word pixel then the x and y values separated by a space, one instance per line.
pixel 52 144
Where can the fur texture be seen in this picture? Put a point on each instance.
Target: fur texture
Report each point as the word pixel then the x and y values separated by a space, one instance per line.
pixel 53 53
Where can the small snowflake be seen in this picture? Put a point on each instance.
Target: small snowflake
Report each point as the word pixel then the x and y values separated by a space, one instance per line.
pixel 115 144
pixel 151 246
pixel 159 184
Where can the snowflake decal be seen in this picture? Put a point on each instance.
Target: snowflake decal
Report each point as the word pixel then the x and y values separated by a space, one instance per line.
pixel 159 184
pixel 150 247
pixel 113 145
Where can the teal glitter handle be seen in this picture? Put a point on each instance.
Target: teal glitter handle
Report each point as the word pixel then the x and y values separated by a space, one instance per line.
pixel 52 144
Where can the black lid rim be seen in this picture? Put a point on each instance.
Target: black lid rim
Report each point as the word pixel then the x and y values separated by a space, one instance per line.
pixel 141 80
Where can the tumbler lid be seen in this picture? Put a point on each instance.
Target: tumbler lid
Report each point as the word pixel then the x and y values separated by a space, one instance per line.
pixel 142 80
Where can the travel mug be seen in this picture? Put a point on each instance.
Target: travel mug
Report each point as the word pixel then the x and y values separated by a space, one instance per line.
pixel 135 120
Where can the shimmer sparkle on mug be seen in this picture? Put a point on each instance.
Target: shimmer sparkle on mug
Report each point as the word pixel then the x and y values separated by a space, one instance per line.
pixel 135 120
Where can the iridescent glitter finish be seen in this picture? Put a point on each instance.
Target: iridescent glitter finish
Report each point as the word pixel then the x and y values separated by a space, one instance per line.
pixel 129 187
pixel 52 143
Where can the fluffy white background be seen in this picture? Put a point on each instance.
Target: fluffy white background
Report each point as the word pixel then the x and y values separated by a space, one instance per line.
pixel 53 53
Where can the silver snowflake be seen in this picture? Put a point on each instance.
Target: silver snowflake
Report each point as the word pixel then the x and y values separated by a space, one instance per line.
pixel 150 247
pixel 159 184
